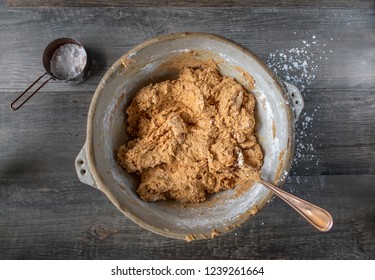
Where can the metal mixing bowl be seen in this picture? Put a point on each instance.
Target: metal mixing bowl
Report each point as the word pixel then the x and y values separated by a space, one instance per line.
pixel 278 105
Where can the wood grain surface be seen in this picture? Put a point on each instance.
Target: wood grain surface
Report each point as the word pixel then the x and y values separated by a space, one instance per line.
pixel 192 3
pixel 46 213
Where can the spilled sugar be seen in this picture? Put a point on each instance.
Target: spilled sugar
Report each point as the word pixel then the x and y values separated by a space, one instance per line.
pixel 299 66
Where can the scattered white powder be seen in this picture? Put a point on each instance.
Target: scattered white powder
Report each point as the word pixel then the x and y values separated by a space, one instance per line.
pixel 68 61
pixel 240 158
pixel 299 66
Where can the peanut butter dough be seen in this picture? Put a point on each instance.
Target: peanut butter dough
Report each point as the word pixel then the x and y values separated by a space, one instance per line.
pixel 193 136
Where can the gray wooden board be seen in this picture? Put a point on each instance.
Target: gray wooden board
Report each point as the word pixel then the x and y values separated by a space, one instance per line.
pixel 192 3
pixel 109 32
pixel 57 217
pixel 45 212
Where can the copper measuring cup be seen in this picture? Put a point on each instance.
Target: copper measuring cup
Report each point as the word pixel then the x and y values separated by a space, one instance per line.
pixel 47 55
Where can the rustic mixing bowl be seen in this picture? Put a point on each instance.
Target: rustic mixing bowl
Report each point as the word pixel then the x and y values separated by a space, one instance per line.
pixel 278 105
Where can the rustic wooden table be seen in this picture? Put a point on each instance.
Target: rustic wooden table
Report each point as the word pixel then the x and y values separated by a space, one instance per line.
pixel 325 48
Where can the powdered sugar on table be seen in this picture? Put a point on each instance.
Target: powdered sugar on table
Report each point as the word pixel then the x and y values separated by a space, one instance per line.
pixel 299 65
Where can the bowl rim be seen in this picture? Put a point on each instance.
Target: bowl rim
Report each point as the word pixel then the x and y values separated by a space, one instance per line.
pixel 90 124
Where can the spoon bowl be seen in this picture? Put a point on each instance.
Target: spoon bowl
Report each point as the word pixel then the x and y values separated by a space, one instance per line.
pixel 318 217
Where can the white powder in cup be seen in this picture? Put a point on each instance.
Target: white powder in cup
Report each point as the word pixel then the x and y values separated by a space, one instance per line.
pixel 68 61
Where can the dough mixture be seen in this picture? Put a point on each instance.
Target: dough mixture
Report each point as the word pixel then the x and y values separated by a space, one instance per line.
pixel 192 136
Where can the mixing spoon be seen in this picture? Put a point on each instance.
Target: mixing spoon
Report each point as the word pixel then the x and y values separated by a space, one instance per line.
pixel 318 217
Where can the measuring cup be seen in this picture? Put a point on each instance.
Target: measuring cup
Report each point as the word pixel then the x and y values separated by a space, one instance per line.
pixel 47 55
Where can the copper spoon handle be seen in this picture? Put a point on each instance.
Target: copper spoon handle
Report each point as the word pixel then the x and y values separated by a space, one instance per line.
pixel 318 217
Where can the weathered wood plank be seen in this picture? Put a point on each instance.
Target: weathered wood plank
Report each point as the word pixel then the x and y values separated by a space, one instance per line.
pixel 60 218
pixel 192 3
pixel 345 54
pixel 335 134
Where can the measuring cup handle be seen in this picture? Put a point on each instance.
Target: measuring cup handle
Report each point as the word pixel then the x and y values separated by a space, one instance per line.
pixel 31 95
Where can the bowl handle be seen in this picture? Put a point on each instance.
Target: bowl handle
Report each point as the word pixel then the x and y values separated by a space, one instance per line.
pixel 296 98
pixel 83 169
